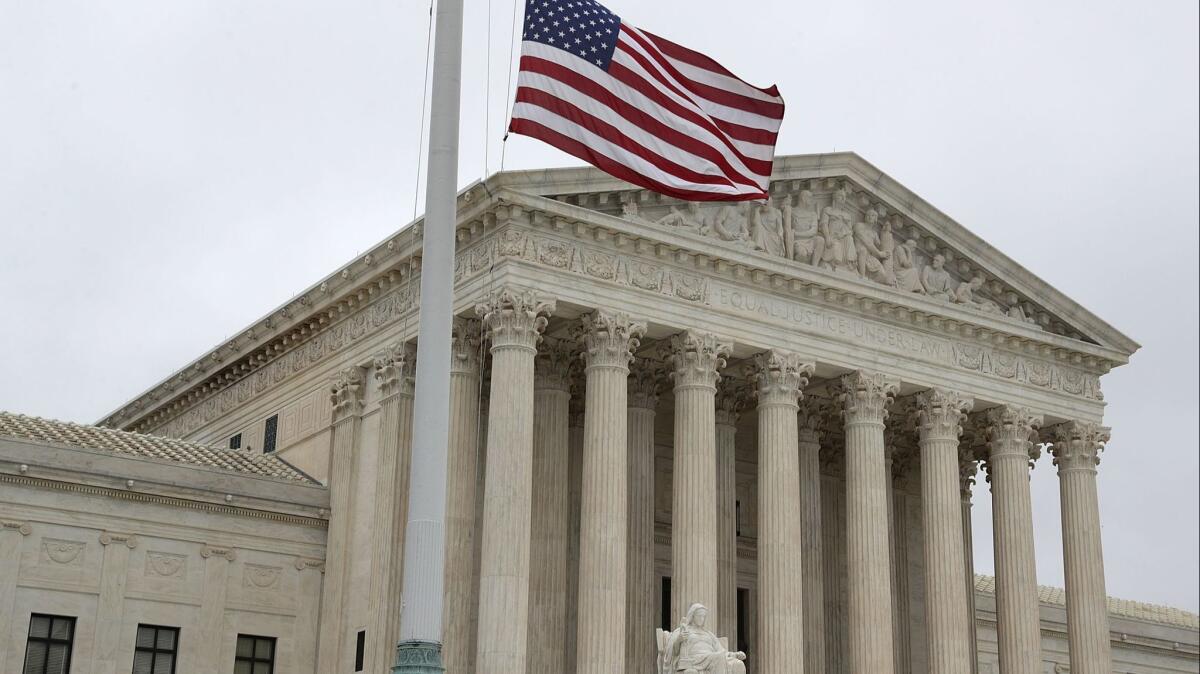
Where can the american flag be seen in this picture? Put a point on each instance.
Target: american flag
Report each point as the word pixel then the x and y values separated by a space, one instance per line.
pixel 641 108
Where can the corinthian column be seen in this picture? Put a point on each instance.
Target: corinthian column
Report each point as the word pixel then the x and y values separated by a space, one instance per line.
pixel 1076 449
pixel 551 516
pixel 865 399
pixel 514 319
pixel 642 586
pixel 697 357
pixel 609 339
pixel 346 395
pixel 394 370
pixel 731 399
pixel 779 378
pixel 939 423
pixel 968 466
pixel 813 415
pixel 462 477
pixel 1010 456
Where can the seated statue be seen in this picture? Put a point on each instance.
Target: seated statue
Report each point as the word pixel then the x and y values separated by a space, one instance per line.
pixel 691 649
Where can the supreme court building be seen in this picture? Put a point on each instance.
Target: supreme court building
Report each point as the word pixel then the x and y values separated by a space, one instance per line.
pixel 783 411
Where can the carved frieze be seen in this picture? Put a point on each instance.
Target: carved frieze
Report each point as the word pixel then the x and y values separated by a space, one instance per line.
pixel 62 552
pixel 165 565
pixel 260 577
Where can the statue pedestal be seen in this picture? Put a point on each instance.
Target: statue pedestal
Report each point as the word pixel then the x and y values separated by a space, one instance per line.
pixel 418 657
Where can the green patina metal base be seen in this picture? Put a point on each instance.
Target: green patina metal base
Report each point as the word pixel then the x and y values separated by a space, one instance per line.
pixel 418 657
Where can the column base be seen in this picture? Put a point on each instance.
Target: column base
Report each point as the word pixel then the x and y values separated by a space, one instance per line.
pixel 418 657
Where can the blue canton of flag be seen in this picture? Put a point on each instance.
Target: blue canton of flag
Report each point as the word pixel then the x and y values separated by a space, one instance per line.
pixel 582 28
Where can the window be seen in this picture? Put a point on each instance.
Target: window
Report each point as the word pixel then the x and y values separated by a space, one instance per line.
pixel 255 655
pixel 48 650
pixel 743 615
pixel 269 433
pixel 360 650
pixel 737 518
pixel 666 604
pixel 155 649
pixel 236 441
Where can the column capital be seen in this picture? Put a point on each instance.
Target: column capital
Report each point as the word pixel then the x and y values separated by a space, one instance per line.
pixel 346 393
pixel 698 358
pixel 731 400
pixel 609 338
pixel 515 317
pixel 780 376
pixel 645 382
pixel 466 339
pixel 866 396
pixel 968 468
pixel 395 369
pixel 814 417
pixel 939 414
pixel 1011 431
pixel 1076 445
pixel 555 365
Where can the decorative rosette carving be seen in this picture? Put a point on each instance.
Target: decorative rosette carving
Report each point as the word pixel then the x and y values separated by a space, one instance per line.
pixel 866 396
pixel 698 358
pixel 940 413
pixel 514 317
pixel 466 339
pixel 396 369
pixel 609 338
pixel 1011 432
pixel 645 382
pixel 1077 445
pixel 555 366
pixel 346 393
pixel 780 376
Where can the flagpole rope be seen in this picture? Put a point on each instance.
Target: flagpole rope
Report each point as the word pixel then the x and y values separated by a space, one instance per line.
pixel 512 41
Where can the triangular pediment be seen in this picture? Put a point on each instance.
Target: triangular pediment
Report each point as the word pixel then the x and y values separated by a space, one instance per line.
pixel 839 216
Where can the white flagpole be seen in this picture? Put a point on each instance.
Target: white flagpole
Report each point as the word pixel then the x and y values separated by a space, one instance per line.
pixel 419 650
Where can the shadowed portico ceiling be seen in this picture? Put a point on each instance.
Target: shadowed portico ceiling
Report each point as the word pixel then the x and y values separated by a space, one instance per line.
pixel 856 212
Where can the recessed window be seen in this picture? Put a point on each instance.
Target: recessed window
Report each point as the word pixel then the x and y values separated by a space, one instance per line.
pixel 155 650
pixel 255 655
pixel 665 595
pixel 360 650
pixel 48 650
pixel 743 619
pixel 737 518
pixel 269 432
pixel 236 441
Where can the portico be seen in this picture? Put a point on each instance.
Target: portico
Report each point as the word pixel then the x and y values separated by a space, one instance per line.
pixel 776 412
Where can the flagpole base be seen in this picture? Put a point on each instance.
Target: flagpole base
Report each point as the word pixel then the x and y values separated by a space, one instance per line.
pixel 418 657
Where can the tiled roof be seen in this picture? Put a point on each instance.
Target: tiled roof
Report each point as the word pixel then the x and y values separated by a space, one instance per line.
pixel 1122 608
pixel 22 427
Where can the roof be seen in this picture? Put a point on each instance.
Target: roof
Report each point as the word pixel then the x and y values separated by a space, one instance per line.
pixel 1121 608
pixel 21 427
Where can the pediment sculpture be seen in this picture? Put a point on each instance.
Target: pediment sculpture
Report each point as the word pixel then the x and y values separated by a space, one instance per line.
pixel 844 232
pixel 693 649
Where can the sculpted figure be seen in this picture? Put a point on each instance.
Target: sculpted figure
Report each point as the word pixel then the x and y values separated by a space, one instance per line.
pixel 807 244
pixel 1018 312
pixel 730 224
pixel 767 229
pixel 692 649
pixel 966 295
pixel 690 219
pixel 870 253
pixel 937 280
pixel 629 210
pixel 904 266
pixel 838 231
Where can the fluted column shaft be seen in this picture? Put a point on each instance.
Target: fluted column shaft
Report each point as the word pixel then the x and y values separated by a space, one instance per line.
pixel 967 468
pixel 514 322
pixel 575 487
pixel 939 423
pixel 346 396
pixel 640 647
pixel 729 403
pixel 609 339
pixel 458 652
pixel 865 400
pixel 1009 453
pixel 697 359
pixel 1076 452
pixel 812 566
pixel 394 370
pixel 779 377
pixel 551 512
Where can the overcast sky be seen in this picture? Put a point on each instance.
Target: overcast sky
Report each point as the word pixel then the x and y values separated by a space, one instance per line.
pixel 170 171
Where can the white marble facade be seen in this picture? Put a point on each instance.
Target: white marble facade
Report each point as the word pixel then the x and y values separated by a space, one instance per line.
pixel 781 407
